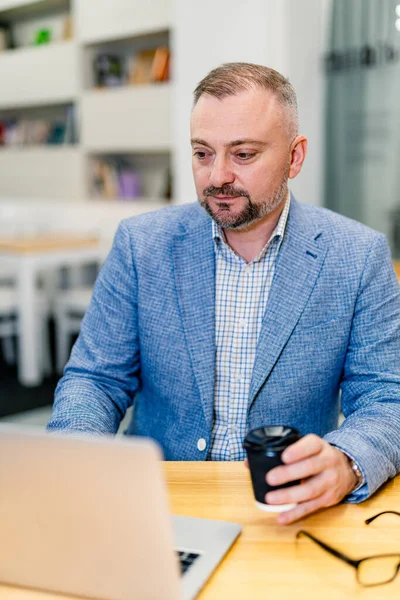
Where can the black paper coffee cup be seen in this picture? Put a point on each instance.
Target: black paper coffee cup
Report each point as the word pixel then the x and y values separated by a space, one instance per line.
pixel 264 447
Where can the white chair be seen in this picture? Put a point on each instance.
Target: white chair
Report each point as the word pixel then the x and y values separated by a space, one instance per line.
pixel 10 327
pixel 70 307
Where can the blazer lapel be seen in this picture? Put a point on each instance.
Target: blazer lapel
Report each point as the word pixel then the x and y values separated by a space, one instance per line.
pixel 194 267
pixel 296 271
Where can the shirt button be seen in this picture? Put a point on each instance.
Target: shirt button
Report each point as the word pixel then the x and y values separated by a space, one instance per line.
pixel 242 323
pixel 233 428
pixel 201 444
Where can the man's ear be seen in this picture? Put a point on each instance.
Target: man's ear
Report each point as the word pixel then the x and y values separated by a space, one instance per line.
pixel 298 152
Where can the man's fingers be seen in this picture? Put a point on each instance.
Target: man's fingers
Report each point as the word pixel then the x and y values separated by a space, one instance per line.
pixel 300 511
pixel 324 474
pixel 310 489
pixel 307 446
pixel 302 470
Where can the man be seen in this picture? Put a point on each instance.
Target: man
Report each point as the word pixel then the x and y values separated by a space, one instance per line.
pixel 258 315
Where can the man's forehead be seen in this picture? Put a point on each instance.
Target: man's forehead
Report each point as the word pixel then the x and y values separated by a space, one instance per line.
pixel 248 115
pixel 252 99
pixel 229 144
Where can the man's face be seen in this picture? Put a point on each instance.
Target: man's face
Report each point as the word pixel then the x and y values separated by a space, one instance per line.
pixel 240 156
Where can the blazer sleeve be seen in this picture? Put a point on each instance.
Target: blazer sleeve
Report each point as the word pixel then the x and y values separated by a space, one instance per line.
pixel 370 387
pixel 103 373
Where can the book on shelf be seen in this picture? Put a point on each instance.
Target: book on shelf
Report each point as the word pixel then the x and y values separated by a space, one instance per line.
pixel 68 28
pixel 146 66
pixel 160 66
pixel 24 132
pixel 140 71
pixel 70 133
pixel 114 179
pixel 150 66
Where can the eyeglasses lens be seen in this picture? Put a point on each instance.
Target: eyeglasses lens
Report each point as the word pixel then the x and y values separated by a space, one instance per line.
pixel 377 570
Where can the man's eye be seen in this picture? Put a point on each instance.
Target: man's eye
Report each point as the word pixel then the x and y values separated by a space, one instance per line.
pixel 199 154
pixel 245 155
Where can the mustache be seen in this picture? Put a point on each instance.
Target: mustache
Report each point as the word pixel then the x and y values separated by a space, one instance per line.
pixel 225 190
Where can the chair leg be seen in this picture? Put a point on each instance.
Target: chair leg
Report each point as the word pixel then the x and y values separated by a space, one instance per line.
pixel 8 349
pixel 44 341
pixel 62 341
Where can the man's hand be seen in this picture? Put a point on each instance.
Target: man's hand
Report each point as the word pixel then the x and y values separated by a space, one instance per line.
pixel 324 472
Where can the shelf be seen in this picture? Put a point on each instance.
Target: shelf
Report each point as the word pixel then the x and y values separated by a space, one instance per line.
pixel 128 119
pixel 39 75
pixel 22 9
pixel 53 172
pixel 128 208
pixel 103 21
pixel 43 83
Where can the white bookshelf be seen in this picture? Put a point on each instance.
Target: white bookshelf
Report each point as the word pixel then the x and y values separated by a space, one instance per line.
pixel 48 172
pixel 39 75
pixel 24 8
pixel 134 120
pixel 100 20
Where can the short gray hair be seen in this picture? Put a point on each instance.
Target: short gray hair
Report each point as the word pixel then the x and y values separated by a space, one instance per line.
pixel 232 78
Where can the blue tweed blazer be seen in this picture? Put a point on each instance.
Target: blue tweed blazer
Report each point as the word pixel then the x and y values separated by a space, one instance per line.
pixel 331 334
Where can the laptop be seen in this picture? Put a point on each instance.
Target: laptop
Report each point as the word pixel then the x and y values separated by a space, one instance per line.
pixel 89 517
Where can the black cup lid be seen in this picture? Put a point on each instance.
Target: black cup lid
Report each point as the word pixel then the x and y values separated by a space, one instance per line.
pixel 275 437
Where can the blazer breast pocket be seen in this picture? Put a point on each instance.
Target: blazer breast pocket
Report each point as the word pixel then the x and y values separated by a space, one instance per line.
pixel 333 322
pixel 324 343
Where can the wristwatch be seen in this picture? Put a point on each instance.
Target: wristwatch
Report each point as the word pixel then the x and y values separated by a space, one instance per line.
pixel 357 471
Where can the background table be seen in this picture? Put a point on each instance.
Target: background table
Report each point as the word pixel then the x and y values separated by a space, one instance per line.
pixel 28 256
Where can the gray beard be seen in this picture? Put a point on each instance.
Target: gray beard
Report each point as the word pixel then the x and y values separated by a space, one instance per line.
pixel 251 213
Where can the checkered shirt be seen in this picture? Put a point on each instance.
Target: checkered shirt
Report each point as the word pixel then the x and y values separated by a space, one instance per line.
pixel 241 297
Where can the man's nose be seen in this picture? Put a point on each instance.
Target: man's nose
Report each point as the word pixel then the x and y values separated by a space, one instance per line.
pixel 221 172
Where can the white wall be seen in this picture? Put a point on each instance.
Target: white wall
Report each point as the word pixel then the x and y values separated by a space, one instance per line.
pixel 288 35
pixel 306 31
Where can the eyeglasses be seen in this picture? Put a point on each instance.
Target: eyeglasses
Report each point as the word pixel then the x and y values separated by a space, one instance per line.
pixel 370 570
pixel 385 512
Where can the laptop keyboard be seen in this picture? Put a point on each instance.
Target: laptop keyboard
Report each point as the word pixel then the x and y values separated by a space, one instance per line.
pixel 186 560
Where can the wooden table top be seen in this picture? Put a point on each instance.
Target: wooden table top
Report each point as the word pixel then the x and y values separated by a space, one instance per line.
pixel 266 562
pixel 46 243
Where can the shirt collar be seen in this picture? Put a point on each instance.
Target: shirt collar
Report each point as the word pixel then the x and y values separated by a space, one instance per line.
pixel 278 232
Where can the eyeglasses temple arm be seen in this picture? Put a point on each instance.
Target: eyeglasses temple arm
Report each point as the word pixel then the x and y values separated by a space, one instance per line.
pixel 346 559
pixel 384 512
